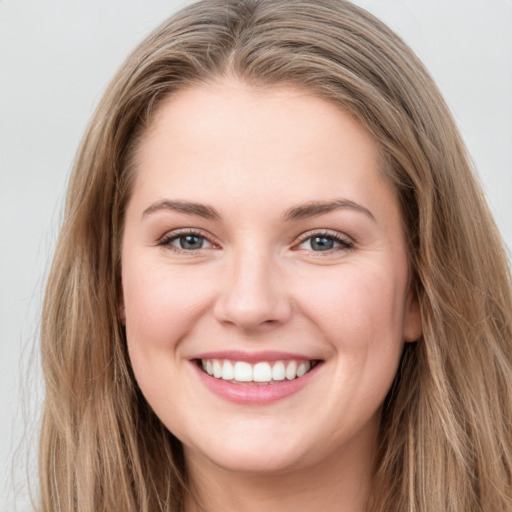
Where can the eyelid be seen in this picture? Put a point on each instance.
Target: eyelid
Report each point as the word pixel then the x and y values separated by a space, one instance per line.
pixel 169 236
pixel 345 241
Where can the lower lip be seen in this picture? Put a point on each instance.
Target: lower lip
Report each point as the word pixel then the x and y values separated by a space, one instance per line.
pixel 254 394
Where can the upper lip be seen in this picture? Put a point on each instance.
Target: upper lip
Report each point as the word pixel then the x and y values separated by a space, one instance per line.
pixel 253 357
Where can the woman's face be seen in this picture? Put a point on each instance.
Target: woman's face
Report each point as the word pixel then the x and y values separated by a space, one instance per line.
pixel 261 242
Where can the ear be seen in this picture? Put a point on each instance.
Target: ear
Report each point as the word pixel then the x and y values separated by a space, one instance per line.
pixel 412 329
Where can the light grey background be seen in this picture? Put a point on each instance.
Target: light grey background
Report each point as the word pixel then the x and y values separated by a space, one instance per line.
pixel 56 57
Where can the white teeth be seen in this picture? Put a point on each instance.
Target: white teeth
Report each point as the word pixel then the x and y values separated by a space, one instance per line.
pixel 303 368
pixel 291 370
pixel 278 371
pixel 217 369
pixel 228 372
pixel 263 371
pixel 243 371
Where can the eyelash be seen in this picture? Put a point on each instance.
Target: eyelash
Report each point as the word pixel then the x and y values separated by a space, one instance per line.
pixel 344 243
pixel 167 240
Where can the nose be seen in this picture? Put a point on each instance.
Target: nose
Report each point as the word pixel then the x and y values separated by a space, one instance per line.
pixel 254 295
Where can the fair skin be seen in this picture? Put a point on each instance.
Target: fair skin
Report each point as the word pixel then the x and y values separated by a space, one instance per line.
pixel 261 233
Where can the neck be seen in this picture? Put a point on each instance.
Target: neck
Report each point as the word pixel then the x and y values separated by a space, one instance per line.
pixel 339 482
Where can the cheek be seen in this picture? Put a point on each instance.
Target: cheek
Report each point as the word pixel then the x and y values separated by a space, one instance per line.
pixel 360 314
pixel 359 300
pixel 162 308
pixel 161 304
pixel 357 312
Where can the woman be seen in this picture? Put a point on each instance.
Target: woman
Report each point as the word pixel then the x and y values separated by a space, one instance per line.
pixel 268 291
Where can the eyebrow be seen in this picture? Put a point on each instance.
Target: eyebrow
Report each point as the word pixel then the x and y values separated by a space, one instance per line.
pixel 314 208
pixel 201 210
pixel 311 209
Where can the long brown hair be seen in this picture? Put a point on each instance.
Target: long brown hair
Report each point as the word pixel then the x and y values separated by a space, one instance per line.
pixel 446 436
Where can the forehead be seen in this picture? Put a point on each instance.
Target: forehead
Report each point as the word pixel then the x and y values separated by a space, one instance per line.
pixel 279 143
pixel 222 112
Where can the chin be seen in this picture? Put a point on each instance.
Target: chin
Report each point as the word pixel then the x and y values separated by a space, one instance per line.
pixel 266 450
pixel 242 460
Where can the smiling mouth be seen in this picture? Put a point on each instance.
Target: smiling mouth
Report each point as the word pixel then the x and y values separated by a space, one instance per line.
pixel 261 373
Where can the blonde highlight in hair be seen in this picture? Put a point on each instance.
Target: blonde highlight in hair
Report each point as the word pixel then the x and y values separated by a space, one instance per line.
pixel 446 434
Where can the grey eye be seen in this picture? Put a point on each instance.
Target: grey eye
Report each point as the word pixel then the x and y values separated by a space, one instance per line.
pixel 324 243
pixel 189 242
pixel 321 243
